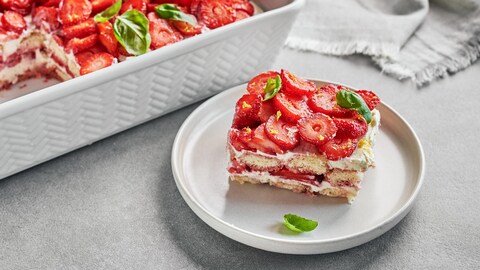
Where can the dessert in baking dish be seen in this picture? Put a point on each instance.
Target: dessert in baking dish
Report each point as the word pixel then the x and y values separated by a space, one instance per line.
pixel 291 134
pixel 68 38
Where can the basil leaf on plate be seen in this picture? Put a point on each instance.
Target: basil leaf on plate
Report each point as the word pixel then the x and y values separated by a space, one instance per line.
pixel 172 12
pixel 299 224
pixel 131 30
pixel 350 100
pixel 272 87
pixel 108 13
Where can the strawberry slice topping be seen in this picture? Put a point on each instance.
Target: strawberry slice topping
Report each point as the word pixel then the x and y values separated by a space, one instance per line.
pixel 267 109
pixel 80 44
pixel 80 30
pixel 294 85
pixel 338 148
pixel 324 100
pixel 161 32
pixel 317 128
pixel 13 21
pixel 243 6
pixel 20 6
pixel 46 18
pixel 352 128
pixel 97 61
pixel 75 11
pixel 370 98
pixel 292 108
pixel 107 37
pixel 188 29
pixel 246 111
pixel 258 83
pixel 261 142
pixel 100 5
pixel 48 3
pixel 140 5
pixel 215 13
pixel 240 138
pixel 282 133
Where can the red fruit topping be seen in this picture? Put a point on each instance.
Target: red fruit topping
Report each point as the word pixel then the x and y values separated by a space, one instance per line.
pixel 20 6
pixel 49 3
pixel 187 29
pixel 294 85
pixel 82 57
pixel 80 44
pixel 140 5
pixel 75 11
pixel 161 32
pixel 292 108
pixel 185 3
pixel 282 133
pixel 246 111
pixel 80 30
pixel 107 37
pixel 285 173
pixel 45 18
pixel 194 5
pixel 266 110
pixel 261 142
pixel 352 128
pixel 13 21
pixel 240 139
pixel 338 148
pixel 97 61
pixel 369 97
pixel 257 83
pixel 215 13
pixel 244 6
pixel 324 100
pixel 317 128
pixel 100 5
pixel 241 15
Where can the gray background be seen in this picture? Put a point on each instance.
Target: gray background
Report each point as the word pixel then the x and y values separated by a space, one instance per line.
pixel 114 204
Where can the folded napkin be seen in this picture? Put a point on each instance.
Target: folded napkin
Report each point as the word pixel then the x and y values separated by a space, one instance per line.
pixel 416 39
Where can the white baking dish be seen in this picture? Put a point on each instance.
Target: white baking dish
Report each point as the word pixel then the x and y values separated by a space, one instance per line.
pixel 58 119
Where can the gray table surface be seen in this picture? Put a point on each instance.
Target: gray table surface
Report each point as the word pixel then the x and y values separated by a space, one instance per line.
pixel 114 204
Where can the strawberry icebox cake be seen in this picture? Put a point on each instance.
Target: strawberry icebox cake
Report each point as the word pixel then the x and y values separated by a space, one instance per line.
pixel 291 134
pixel 64 39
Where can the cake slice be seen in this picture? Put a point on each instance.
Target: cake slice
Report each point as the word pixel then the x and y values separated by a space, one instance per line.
pixel 291 134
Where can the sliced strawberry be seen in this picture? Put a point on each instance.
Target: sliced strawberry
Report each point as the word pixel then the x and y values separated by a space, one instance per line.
pixel 13 21
pixel 80 30
pixel 97 61
pixel 338 148
pixel 240 138
pixel 188 29
pixel 100 5
pixel 267 109
pixel 257 83
pixel 324 100
pixel 246 111
pixel 370 98
pixel 244 6
pixel 317 128
pixel 216 13
pixel 21 6
pixel 194 5
pixel 261 142
pixel 49 3
pixel 46 18
pixel 161 32
pixel 80 44
pixel 292 108
pixel 285 173
pixel 294 85
pixel 241 15
pixel 107 37
pixel 75 11
pixel 140 5
pixel 352 128
pixel 282 133
pixel 82 57
pixel 7 35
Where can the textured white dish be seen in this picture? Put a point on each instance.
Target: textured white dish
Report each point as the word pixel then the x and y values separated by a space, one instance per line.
pixel 253 214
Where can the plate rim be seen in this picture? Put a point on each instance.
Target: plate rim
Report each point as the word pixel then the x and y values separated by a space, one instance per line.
pixel 235 233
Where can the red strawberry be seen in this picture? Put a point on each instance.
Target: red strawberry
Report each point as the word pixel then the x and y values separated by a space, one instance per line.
pixel 97 61
pixel 188 29
pixel 282 133
pixel 161 32
pixel 140 5
pixel 261 142
pixel 75 11
pixel 266 110
pixel 80 30
pixel 324 101
pixel 46 18
pixel 21 6
pixel 352 128
pixel 49 3
pixel 317 128
pixel 297 86
pixel 369 97
pixel 194 5
pixel 338 148
pixel 240 139
pixel 257 83
pixel 107 37
pixel 80 44
pixel 13 21
pixel 243 6
pixel 246 111
pixel 215 13
pixel 100 5
pixel 292 108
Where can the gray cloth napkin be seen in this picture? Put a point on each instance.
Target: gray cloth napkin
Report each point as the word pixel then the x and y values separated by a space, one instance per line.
pixel 416 39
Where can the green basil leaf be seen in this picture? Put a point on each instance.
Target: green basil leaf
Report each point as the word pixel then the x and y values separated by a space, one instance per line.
pixel 299 224
pixel 351 100
pixel 272 87
pixel 108 13
pixel 131 30
pixel 172 12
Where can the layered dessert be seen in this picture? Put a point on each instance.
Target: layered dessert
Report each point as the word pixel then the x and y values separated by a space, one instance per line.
pixel 68 38
pixel 291 134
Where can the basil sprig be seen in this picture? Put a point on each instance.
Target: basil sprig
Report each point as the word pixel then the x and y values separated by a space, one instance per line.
pixel 351 100
pixel 299 224
pixel 172 12
pixel 131 30
pixel 272 87
pixel 108 13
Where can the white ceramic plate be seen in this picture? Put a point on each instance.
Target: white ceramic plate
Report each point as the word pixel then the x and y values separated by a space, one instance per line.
pixel 253 214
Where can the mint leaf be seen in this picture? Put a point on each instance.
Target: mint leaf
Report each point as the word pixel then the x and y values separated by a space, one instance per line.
pixel 108 13
pixel 172 12
pixel 272 87
pixel 131 30
pixel 351 100
pixel 299 224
